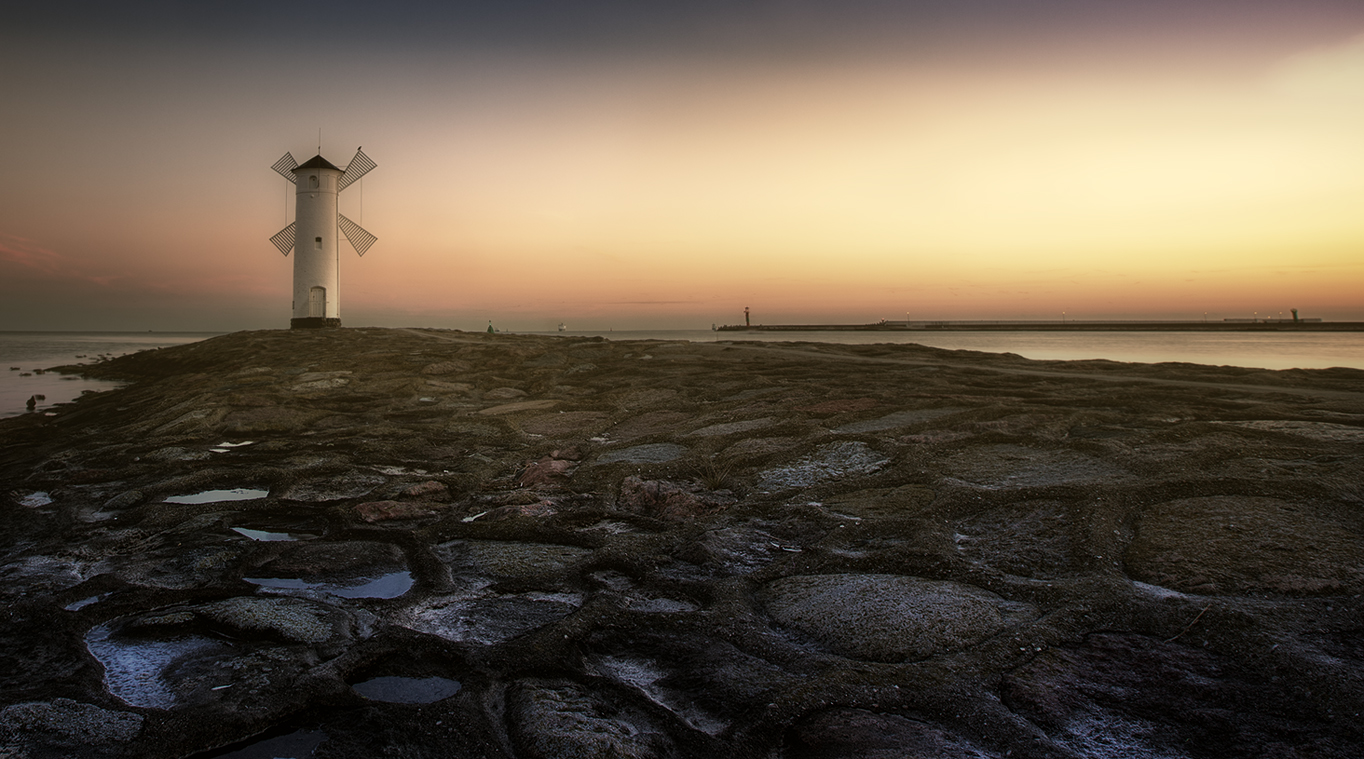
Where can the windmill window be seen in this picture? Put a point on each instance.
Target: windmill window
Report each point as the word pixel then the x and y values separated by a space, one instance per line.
pixel 312 180
pixel 317 243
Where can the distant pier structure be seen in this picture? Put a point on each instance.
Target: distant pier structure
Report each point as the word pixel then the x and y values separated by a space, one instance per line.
pixel 314 236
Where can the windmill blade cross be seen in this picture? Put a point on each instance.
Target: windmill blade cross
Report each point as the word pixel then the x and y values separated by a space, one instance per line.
pixel 359 166
pixel 285 166
pixel 359 238
pixel 284 239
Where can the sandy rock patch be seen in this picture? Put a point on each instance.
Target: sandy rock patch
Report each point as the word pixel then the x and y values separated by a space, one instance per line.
pixel 1237 544
pixel 1014 466
pixel 830 462
pixel 889 618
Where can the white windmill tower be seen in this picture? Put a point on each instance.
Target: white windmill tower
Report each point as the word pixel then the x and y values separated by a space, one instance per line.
pixel 314 235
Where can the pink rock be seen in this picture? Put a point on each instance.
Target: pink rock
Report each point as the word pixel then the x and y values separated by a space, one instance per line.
pixel 668 500
pixel 546 471
pixel 541 508
pixel 382 511
pixel 427 489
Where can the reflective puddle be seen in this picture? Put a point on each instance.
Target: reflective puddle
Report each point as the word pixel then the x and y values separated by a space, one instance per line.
pixel 34 500
pixel 264 535
pixel 133 669
pixel 391 585
pixel 84 602
pixel 216 496
pixel 407 690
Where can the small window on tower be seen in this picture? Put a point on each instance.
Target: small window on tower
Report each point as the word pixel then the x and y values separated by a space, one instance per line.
pixel 312 181
pixel 317 243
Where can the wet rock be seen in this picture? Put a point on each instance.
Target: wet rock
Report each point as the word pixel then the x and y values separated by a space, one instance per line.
pixel 65 723
pixel 1015 466
pixel 541 562
pixel 44 573
pixel 125 500
pixel 662 499
pixel 1324 431
pixel 446 367
pixel 730 428
pixel 1236 544
pixel 389 511
pixel 887 503
pixel 353 485
pixel 888 617
pixel 650 677
pixel 505 393
pixel 1032 539
pixel 321 381
pixel 486 618
pixel 648 423
pixel 559 720
pixel 895 420
pixel 519 407
pixel 566 422
pixel 174 569
pixel 294 620
pixel 429 489
pixel 830 462
pixel 861 734
pixel 1124 695
pixel 176 453
pixel 546 471
pixel 653 453
pixel 739 550
pixel 841 406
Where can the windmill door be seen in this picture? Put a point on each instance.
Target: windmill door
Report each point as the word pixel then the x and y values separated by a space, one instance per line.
pixel 317 302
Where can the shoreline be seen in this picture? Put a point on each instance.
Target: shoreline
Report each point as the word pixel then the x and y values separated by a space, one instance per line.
pixel 1047 326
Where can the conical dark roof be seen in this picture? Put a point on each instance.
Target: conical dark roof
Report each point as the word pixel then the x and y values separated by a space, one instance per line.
pixel 317 162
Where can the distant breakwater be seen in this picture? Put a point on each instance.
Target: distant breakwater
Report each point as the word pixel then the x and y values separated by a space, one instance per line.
pixel 1055 326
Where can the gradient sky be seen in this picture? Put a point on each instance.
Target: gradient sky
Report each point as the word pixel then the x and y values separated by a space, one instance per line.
pixel 654 165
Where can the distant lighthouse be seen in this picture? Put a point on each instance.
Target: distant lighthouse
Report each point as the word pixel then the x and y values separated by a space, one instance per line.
pixel 314 237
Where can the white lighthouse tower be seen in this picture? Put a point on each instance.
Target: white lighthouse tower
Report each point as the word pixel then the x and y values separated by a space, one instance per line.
pixel 314 237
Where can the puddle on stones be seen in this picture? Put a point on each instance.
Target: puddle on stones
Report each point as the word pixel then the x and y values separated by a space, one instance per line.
pixel 390 585
pixel 34 500
pixel 280 528
pixel 133 668
pixel 407 690
pixel 225 447
pixel 299 744
pixel 490 620
pixel 84 602
pixel 264 536
pixel 217 496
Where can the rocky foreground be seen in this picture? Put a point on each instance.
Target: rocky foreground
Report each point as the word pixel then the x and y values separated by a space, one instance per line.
pixel 423 543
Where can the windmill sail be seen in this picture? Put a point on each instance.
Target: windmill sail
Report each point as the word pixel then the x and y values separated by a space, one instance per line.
pixel 285 166
pixel 358 237
pixel 359 166
pixel 284 239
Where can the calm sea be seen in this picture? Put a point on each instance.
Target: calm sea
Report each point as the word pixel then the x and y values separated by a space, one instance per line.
pixel 21 353
pixel 1313 350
